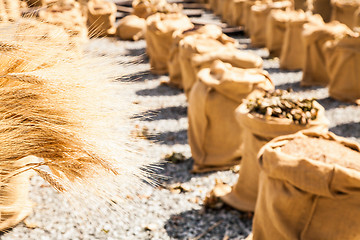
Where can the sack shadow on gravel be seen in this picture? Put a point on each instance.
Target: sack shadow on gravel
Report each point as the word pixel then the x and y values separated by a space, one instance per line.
pixel 138 77
pixel 176 113
pixel 169 138
pixel 209 224
pixel 137 52
pixel 351 129
pixel 160 90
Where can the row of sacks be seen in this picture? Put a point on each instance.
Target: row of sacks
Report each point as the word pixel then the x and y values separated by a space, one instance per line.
pixel 77 17
pixel 133 26
pixel 297 177
pixel 326 52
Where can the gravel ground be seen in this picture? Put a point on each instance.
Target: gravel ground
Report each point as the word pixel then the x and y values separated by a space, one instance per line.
pixel 160 213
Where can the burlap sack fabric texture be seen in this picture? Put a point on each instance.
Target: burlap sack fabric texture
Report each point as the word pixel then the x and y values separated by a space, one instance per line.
pixel 275 31
pixel 259 14
pixel 238 13
pixel 303 198
pixel 214 135
pixel 257 131
pixel 159 31
pixel 199 44
pixel 293 50
pixel 342 64
pixel 15 204
pixel 101 17
pixel 315 36
pixel 343 11
pixel 174 68
pixel 131 27
pixel 226 14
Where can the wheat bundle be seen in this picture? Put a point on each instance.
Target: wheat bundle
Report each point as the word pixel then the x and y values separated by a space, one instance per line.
pixel 62 111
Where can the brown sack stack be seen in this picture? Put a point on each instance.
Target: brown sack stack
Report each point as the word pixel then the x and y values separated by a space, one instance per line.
pixel 259 14
pixel 342 64
pixel 15 204
pixel 159 31
pixel 275 31
pixel 309 188
pixel 131 27
pixel 257 131
pixel 211 31
pixel 293 50
pixel 315 36
pixel 343 11
pixel 199 44
pixel 101 17
pixel 214 135
pixel 67 14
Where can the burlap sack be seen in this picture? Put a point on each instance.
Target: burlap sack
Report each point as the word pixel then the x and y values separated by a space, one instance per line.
pixel 145 8
pixel 303 198
pixel 15 204
pixel 101 18
pixel 315 36
pixel 356 19
pixel 293 50
pixel 219 7
pixel 213 99
pixel 257 131
pixel 213 4
pixel 210 31
pixel 159 30
pixel 300 5
pixel 321 7
pixel 238 13
pixel 131 28
pixel 342 64
pixel 247 15
pixel 198 44
pixel 343 11
pixel 275 31
pixel 259 14
pixel 226 14
pixel 69 15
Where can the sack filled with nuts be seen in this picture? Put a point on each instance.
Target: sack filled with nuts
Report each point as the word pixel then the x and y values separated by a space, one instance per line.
pixel 198 45
pixel 145 8
pixel 213 133
pixel 258 16
pixel 309 187
pixel 211 31
pixel 159 31
pixel 342 60
pixel 131 28
pixel 292 55
pixel 262 119
pixel 315 35
pixel 101 17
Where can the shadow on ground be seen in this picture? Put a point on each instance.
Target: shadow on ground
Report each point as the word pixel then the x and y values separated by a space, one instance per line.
pixel 351 129
pixel 209 223
pixel 140 76
pixel 169 138
pixel 162 114
pixel 160 90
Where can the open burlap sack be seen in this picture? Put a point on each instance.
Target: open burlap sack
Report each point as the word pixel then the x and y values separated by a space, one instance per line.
pixel 259 14
pixel 308 197
pixel 69 15
pixel 238 13
pixel 131 28
pixel 343 11
pixel 159 30
pixel 293 50
pixel 15 204
pixel 257 131
pixel 145 8
pixel 199 44
pixel 101 17
pixel 315 36
pixel 213 133
pixel 211 31
pixel 275 31
pixel 321 7
pixel 342 64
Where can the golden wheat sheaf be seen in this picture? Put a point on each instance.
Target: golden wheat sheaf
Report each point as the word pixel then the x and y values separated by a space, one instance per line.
pixel 67 111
